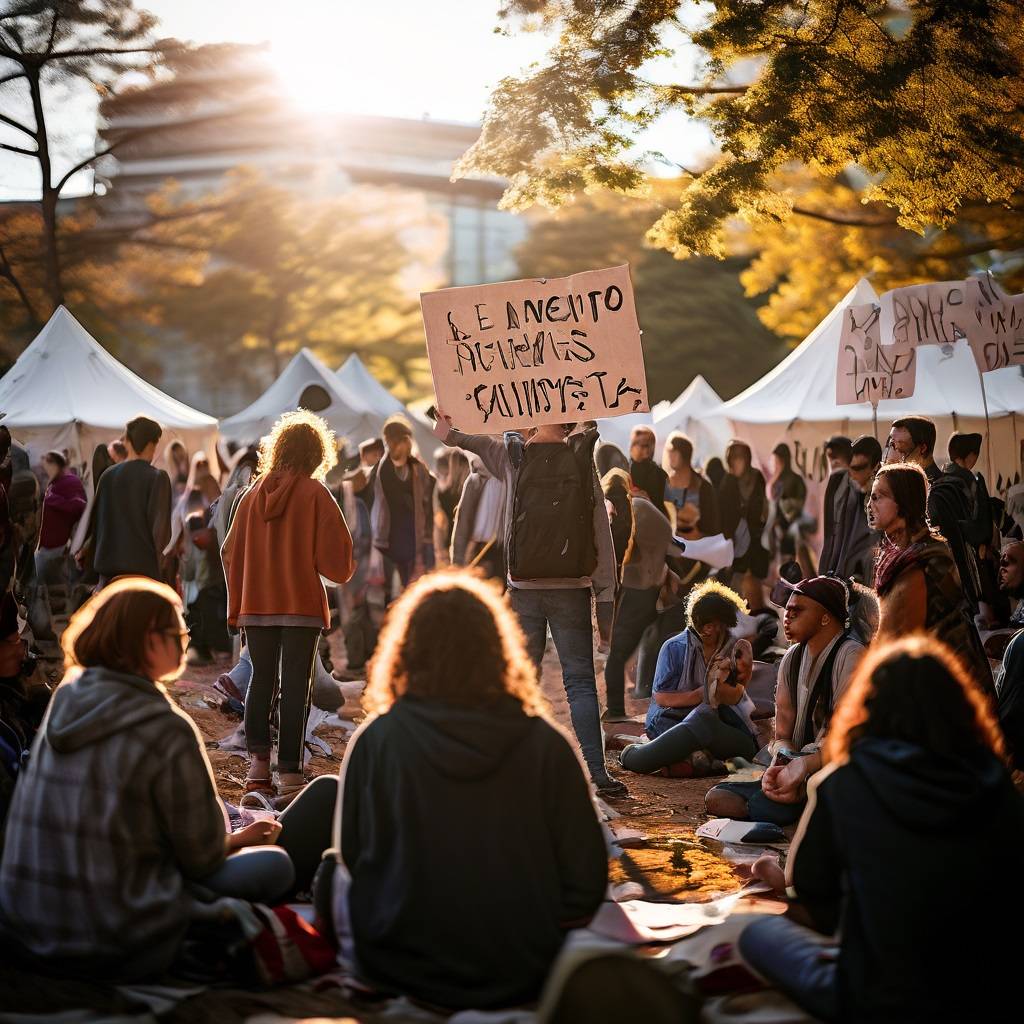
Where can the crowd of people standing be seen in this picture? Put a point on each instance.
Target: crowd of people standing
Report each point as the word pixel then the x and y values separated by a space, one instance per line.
pixel 882 649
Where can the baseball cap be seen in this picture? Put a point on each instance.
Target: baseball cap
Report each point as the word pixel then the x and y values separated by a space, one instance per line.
pixel 828 591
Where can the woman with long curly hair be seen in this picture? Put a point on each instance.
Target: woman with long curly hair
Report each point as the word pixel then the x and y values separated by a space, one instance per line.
pixel 894 856
pixel 287 537
pixel 916 577
pixel 464 813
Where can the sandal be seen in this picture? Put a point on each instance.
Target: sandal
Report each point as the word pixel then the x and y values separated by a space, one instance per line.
pixel 258 800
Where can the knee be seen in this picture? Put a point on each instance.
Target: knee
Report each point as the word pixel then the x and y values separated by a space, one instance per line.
pixel 720 803
pixel 324 789
pixel 277 873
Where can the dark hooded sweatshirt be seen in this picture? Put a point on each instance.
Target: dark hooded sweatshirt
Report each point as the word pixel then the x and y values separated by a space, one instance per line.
pixel 116 810
pixel 472 844
pixel 902 848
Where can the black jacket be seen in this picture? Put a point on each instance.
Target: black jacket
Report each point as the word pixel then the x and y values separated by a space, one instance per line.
pixel 900 848
pixel 472 844
pixel 132 520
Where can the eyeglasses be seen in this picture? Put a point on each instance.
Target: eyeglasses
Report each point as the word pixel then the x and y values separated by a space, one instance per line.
pixel 183 635
pixel 862 467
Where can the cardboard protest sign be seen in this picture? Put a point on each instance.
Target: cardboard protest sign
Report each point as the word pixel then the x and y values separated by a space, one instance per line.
pixel 925 314
pixel 868 371
pixel 525 353
pixel 996 331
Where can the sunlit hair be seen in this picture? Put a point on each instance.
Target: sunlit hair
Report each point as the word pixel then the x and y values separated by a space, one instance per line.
pixel 111 628
pixel 915 689
pixel 452 637
pixel 908 485
pixel 301 442
pixel 712 601
pixel 677 442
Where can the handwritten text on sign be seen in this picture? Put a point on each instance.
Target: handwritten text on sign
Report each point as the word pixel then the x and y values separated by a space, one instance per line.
pixel 945 311
pixel 997 335
pixel 523 353
pixel 869 371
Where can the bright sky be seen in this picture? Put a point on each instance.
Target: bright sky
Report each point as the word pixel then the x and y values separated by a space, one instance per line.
pixel 399 58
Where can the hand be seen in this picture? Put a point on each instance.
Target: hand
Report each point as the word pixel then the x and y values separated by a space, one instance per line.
pixel 259 833
pixel 784 783
pixel 442 426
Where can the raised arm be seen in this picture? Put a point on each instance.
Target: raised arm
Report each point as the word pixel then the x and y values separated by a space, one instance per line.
pixel 491 450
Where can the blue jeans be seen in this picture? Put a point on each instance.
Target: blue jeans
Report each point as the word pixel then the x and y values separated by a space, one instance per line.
pixel 568 614
pixel 798 961
pixel 720 731
pixel 259 874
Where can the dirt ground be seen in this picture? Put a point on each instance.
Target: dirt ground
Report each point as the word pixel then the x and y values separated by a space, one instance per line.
pixel 666 863
pixel 666 811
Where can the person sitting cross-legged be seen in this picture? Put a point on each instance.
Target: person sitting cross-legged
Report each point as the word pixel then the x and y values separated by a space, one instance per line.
pixel 699 700
pixel 116 836
pixel 467 844
pixel 813 676
pixel 898 845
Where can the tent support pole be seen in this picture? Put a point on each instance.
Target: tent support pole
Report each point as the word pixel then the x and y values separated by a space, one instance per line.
pixel 988 426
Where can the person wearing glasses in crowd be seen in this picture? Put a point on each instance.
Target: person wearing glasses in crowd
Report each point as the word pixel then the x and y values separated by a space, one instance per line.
pixel 850 543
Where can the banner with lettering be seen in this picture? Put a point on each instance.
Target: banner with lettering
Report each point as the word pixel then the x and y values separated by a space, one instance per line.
pixel 869 371
pixel 524 353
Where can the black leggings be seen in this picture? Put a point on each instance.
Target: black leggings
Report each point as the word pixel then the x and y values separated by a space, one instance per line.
pixel 307 825
pixel 282 657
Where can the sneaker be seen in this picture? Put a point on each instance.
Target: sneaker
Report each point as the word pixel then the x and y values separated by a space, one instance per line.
pixel 615 716
pixel 609 788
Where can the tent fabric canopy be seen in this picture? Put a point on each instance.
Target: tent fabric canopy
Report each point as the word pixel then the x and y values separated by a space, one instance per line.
pixel 689 414
pixel 692 414
pixel 380 404
pixel 66 391
pixel 796 401
pixel 305 371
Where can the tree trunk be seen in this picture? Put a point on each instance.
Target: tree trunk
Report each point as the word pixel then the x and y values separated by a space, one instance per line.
pixel 48 202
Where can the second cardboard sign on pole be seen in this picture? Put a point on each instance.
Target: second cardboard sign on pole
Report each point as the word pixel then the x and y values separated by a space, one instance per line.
pixel 524 353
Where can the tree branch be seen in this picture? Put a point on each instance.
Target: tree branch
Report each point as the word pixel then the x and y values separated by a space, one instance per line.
pixel 12 77
pixel 53 29
pixel 81 166
pixel 850 222
pixel 4 119
pixel 701 90
pixel 19 149
pixel 100 51
pixel 7 272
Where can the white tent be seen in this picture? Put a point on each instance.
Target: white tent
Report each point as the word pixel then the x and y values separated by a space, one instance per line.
pixel 691 414
pixel 796 401
pixel 616 429
pixel 66 391
pixel 379 404
pixel 305 381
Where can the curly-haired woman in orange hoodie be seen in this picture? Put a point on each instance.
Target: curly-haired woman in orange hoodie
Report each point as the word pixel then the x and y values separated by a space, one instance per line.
pixel 287 537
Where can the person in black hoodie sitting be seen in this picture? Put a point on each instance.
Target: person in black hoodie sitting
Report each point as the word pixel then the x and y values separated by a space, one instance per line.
pixel 467 841
pixel 892 860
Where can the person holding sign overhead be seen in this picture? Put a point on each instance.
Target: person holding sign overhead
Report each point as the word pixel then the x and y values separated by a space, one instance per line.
pixel 559 549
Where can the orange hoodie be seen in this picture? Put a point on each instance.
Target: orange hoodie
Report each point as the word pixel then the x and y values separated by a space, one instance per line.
pixel 287 533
